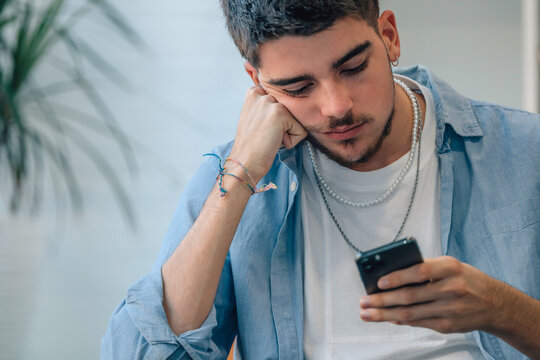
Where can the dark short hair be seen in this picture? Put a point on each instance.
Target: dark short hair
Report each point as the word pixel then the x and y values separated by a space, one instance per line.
pixel 254 22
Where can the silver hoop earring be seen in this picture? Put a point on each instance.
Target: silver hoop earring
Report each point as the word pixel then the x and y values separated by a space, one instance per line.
pixel 396 62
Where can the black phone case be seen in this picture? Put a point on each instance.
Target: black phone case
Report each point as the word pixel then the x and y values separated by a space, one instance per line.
pixel 375 263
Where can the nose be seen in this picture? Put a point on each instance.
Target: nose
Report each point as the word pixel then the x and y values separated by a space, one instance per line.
pixel 336 101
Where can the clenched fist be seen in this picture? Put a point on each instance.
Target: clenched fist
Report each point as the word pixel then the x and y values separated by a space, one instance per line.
pixel 264 126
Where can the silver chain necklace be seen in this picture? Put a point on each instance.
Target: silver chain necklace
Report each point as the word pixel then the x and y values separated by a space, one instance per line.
pixel 415 131
pixel 417 114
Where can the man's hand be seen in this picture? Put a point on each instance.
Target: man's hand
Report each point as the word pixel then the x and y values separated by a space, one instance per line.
pixel 264 126
pixel 456 297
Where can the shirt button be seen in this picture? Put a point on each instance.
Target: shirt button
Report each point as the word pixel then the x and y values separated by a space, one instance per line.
pixel 293 186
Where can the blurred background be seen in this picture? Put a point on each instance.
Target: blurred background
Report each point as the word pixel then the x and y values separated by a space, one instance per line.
pixel 178 92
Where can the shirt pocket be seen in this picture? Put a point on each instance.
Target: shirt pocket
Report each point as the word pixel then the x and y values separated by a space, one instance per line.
pixel 511 247
pixel 513 218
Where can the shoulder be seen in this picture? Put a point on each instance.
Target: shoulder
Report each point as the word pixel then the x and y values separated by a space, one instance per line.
pixel 486 112
pixel 506 125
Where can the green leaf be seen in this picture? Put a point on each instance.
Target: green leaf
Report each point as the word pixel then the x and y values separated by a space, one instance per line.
pixel 87 52
pixel 16 146
pixel 116 18
pixel 33 131
pixel 19 57
pixel 6 21
pixel 108 173
pixel 31 45
pixel 3 4
pixel 112 124
pixel 62 164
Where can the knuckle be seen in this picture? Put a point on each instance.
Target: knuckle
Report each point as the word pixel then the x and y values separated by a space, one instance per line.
pixel 377 301
pixel 408 296
pixel 454 264
pixel 391 279
pixel 424 272
pixel 407 314
pixel 457 310
pixel 445 326
pixel 277 106
pixel 253 91
pixel 459 289
pixel 269 98
pixel 276 109
pixel 378 316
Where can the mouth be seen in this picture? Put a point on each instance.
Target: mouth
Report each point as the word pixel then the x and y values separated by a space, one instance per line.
pixel 345 132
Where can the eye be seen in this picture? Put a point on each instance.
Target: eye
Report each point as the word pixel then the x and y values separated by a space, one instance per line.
pixel 356 70
pixel 298 92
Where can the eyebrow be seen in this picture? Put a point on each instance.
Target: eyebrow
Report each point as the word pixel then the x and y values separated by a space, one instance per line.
pixel 283 82
pixel 356 51
pixel 308 77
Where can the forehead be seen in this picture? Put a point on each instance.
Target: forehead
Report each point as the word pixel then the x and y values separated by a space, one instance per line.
pixel 290 55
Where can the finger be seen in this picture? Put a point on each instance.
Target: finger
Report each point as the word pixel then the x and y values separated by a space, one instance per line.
pixel 447 288
pixel 269 98
pixel 445 326
pixel 258 90
pixel 294 133
pixel 408 314
pixel 406 295
pixel 429 270
pixel 262 87
pixel 292 137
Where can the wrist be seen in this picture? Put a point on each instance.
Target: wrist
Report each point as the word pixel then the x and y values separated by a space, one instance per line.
pixel 500 308
pixel 251 164
pixel 233 164
pixel 232 168
pixel 252 184
pixel 233 180
pixel 252 169
pixel 514 318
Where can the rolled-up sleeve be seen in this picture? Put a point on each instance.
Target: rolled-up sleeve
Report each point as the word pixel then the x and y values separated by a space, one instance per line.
pixel 138 328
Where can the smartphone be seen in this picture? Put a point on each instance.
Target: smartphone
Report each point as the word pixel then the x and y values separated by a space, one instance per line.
pixel 376 263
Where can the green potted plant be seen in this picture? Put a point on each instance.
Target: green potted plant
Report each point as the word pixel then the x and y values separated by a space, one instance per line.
pixel 35 132
pixel 36 135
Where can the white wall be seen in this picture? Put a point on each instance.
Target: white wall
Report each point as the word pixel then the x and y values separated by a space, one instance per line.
pixel 474 45
pixel 190 90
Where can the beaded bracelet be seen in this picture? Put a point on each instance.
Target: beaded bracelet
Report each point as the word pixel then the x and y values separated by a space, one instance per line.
pixel 223 172
pixel 243 167
pixel 241 180
pixel 260 189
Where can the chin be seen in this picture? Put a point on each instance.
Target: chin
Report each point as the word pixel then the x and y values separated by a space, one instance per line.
pixel 346 153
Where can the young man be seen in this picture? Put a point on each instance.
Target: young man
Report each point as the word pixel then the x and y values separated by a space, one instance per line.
pixel 360 157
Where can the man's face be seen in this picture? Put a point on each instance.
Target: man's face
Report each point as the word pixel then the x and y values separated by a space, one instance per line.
pixel 337 84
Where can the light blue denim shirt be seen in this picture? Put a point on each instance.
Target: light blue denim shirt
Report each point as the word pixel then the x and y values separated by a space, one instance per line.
pixel 490 218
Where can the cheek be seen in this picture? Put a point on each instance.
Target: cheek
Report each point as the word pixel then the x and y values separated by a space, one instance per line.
pixel 303 110
pixel 373 99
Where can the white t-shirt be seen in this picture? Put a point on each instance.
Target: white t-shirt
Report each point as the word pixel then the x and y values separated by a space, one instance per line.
pixel 332 285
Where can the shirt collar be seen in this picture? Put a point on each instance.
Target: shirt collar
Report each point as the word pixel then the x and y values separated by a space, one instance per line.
pixel 451 108
pixel 292 158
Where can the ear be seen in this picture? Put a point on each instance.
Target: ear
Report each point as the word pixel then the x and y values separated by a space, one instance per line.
pixel 389 34
pixel 252 72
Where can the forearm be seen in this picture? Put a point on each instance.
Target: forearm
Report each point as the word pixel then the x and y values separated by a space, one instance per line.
pixel 517 320
pixel 191 275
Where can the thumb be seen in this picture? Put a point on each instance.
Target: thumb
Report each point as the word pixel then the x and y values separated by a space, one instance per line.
pixel 294 134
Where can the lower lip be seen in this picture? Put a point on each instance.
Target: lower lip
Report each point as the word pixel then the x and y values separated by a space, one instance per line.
pixel 346 134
